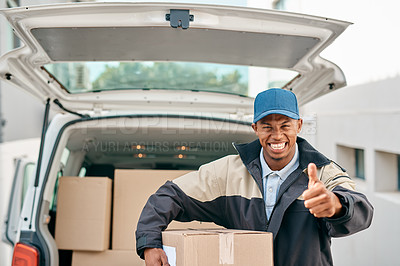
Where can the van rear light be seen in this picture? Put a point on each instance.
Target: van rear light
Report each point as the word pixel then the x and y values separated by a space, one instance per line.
pixel 25 255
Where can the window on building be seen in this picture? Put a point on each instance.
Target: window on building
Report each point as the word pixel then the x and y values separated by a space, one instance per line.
pixel 287 5
pixel 352 159
pixel 359 163
pixel 279 4
pixel 387 171
pixel 12 3
pixel 345 158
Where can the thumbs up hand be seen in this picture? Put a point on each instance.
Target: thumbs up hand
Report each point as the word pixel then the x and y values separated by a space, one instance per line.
pixel 312 175
pixel 317 199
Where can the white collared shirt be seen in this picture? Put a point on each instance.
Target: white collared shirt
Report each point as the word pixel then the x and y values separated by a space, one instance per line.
pixel 272 180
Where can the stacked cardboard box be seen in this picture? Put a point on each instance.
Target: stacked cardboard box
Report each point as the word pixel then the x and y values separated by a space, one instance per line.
pixel 199 247
pixel 84 216
pixel 132 188
pixel 218 247
pixel 105 258
pixel 83 213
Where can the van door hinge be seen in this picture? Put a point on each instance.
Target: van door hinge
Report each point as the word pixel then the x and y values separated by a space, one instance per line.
pixel 179 18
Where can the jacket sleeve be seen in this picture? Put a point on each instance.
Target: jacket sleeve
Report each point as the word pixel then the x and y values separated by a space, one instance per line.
pixel 358 210
pixel 170 202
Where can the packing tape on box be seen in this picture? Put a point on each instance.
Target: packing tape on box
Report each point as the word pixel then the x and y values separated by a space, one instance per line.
pixel 226 252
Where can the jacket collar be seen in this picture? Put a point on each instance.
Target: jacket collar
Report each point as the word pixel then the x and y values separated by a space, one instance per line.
pixel 248 151
pixel 308 154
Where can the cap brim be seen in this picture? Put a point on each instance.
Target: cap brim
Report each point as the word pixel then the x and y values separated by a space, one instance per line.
pixel 282 112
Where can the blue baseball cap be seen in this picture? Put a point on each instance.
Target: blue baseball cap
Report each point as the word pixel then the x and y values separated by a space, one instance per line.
pixel 276 101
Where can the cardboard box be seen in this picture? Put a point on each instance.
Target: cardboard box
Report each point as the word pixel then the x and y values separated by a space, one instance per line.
pixel 83 213
pixel 106 258
pixel 218 247
pixel 132 188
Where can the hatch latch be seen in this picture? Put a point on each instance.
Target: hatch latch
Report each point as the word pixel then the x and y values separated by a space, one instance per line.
pixel 179 18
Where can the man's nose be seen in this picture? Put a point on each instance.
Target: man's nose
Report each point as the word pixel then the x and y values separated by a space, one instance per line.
pixel 277 134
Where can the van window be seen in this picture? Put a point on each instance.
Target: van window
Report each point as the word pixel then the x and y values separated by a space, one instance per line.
pixel 83 77
pixel 65 156
pixel 82 172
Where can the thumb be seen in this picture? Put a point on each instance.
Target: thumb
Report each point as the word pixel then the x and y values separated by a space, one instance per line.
pixel 312 174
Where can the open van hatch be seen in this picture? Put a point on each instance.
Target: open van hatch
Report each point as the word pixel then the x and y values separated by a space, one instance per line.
pixel 75 39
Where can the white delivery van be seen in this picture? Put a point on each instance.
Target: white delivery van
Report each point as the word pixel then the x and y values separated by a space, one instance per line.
pixel 156 86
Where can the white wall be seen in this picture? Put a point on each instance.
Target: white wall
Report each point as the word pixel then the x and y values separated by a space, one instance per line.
pixel 367 117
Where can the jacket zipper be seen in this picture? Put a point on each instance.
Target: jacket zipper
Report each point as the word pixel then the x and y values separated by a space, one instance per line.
pixel 261 189
pixel 273 209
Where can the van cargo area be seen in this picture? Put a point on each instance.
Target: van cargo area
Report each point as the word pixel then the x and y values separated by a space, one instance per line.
pixel 124 160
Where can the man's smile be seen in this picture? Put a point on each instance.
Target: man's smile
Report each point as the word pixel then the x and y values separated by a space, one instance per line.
pixel 277 147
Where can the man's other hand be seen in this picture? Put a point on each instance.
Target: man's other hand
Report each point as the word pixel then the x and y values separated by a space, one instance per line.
pixel 155 257
pixel 317 199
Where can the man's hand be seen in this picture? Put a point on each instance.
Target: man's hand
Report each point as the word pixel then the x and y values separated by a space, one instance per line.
pixel 155 257
pixel 317 199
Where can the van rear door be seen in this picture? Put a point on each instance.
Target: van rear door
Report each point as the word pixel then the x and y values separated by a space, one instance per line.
pixel 24 175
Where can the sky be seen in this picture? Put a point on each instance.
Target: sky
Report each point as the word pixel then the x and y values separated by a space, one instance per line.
pixel 367 51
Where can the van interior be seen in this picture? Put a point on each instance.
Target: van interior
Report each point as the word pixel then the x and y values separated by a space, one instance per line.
pixel 97 147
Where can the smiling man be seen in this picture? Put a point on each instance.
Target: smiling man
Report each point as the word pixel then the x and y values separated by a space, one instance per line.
pixel 279 183
pixel 278 134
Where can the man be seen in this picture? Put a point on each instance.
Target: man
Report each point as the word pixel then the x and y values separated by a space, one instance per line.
pixel 278 183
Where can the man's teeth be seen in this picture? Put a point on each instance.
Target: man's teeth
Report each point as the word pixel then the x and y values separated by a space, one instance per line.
pixel 279 146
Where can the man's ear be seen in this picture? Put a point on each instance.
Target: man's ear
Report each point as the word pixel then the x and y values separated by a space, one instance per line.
pixel 254 126
pixel 299 125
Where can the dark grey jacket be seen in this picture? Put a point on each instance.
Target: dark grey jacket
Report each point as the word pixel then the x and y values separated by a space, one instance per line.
pixel 229 193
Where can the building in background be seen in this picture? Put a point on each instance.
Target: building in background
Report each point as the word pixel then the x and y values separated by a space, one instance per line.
pixel 358 128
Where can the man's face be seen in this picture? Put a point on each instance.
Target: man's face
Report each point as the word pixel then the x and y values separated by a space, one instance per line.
pixel 277 134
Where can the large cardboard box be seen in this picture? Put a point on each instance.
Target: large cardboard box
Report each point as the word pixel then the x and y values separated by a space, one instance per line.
pixel 218 247
pixel 83 213
pixel 106 258
pixel 132 188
